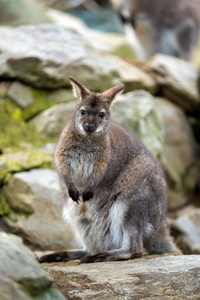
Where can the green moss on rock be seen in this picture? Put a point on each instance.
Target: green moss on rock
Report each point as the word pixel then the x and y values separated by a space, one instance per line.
pixel 13 129
pixel 23 161
pixel 42 102
pixel 125 51
pixel 104 81
pixel 4 207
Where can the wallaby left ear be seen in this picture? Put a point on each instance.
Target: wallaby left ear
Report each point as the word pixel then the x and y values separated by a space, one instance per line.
pixel 79 90
pixel 113 92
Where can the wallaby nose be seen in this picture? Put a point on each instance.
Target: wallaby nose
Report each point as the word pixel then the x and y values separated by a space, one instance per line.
pixel 89 127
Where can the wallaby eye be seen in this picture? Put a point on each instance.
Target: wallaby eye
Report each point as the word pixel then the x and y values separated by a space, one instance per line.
pixel 101 115
pixel 82 112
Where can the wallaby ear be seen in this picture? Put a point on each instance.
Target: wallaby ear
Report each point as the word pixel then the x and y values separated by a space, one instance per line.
pixel 113 92
pixel 79 90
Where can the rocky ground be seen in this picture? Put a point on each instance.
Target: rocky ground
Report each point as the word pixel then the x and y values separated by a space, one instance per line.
pixel 161 105
pixel 150 277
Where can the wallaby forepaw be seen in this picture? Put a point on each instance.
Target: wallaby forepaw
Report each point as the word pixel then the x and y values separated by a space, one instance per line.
pixel 74 194
pixel 87 196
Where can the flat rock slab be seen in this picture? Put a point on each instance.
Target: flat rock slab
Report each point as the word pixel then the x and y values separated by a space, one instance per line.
pixel 150 277
pixel 45 55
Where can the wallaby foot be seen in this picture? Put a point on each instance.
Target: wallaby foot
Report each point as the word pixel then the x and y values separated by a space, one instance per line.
pixel 63 256
pixel 110 256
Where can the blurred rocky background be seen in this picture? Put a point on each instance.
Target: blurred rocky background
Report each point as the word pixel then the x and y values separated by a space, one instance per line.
pixel 42 42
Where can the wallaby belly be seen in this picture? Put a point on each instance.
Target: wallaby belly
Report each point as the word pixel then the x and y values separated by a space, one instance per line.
pixel 95 230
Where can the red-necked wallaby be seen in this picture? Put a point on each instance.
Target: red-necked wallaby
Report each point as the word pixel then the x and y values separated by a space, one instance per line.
pixel 161 26
pixel 114 191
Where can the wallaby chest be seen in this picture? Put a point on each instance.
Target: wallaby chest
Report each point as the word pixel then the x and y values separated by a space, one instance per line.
pixel 81 167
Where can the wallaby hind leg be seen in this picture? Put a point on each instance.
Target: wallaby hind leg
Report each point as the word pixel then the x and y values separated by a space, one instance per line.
pixel 63 256
pixel 132 246
pixel 160 242
pixel 112 255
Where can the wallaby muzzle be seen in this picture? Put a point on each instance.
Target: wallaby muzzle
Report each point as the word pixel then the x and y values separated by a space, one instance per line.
pixel 89 128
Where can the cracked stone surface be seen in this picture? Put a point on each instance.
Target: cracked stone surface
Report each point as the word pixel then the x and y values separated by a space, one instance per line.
pixel 150 277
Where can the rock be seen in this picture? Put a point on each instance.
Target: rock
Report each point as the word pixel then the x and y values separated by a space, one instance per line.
pixel 188 226
pixel 99 16
pixel 133 77
pixel 4 86
pixel 21 277
pixel 136 111
pixel 9 288
pixel 48 148
pixel 35 60
pixel 22 12
pixel 60 96
pixel 51 121
pixel 177 80
pixel 2 165
pixel 4 207
pixel 178 160
pixel 195 124
pixel 106 42
pixel 21 94
pixel 25 160
pixel 64 5
pixel 34 198
pixel 14 131
pixel 164 277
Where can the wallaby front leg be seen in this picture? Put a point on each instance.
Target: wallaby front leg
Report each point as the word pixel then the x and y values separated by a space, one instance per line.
pixel 63 256
pixel 68 188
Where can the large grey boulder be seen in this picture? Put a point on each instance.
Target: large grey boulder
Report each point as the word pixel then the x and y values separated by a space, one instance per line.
pixel 21 276
pixel 21 94
pixel 45 55
pixel 164 277
pixel 188 227
pixel 137 112
pixel 51 121
pixel 178 160
pixel 178 80
pixel 34 198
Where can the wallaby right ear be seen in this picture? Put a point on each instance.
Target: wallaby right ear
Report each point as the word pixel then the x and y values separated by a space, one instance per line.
pixel 79 90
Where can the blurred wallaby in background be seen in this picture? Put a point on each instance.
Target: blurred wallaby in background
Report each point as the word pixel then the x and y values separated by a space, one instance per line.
pixel 170 27
pixel 114 191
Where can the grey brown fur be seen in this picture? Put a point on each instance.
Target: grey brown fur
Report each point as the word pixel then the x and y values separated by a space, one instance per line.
pixel 114 191
pixel 162 26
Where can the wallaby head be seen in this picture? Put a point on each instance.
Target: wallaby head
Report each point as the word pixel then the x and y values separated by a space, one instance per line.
pixel 92 115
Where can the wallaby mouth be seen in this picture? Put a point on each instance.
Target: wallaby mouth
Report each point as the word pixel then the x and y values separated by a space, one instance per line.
pixel 89 128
